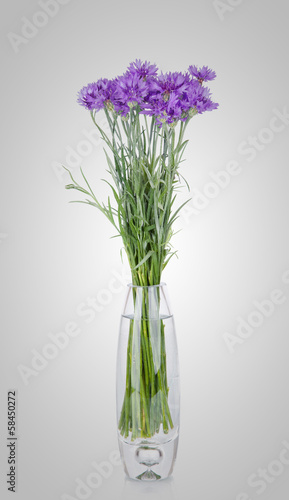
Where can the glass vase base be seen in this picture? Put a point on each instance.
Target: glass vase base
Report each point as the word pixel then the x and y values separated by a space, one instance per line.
pixel 145 461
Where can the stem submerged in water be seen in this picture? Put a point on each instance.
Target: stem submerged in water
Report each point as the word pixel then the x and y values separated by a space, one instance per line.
pixel 145 407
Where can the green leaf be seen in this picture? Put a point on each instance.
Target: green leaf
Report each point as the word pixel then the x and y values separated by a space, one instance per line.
pixel 148 255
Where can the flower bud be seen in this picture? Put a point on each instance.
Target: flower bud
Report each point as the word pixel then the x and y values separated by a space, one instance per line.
pixel 132 104
pixel 166 95
pixel 193 112
pixel 109 105
pixel 163 118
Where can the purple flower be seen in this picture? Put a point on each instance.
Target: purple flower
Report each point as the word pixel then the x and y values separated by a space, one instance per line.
pixel 167 110
pixel 173 97
pixel 169 97
pixel 143 70
pixel 170 111
pixel 203 74
pixel 169 82
pixel 87 96
pixel 130 90
pixel 200 99
pixel 97 95
pixel 166 96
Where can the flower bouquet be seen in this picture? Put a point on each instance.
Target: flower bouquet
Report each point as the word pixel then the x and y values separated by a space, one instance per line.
pixel 148 113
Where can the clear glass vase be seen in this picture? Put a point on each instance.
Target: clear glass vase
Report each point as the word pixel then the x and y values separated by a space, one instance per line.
pixel 148 393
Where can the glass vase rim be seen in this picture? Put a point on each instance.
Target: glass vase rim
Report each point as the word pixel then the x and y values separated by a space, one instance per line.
pixel 160 285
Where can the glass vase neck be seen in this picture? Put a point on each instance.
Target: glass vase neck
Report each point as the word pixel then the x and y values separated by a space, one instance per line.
pixel 152 299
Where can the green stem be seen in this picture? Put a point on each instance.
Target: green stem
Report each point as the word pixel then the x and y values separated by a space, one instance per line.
pixel 145 406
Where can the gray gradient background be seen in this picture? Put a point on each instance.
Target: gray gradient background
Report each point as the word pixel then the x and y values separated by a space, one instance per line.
pixel 54 255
